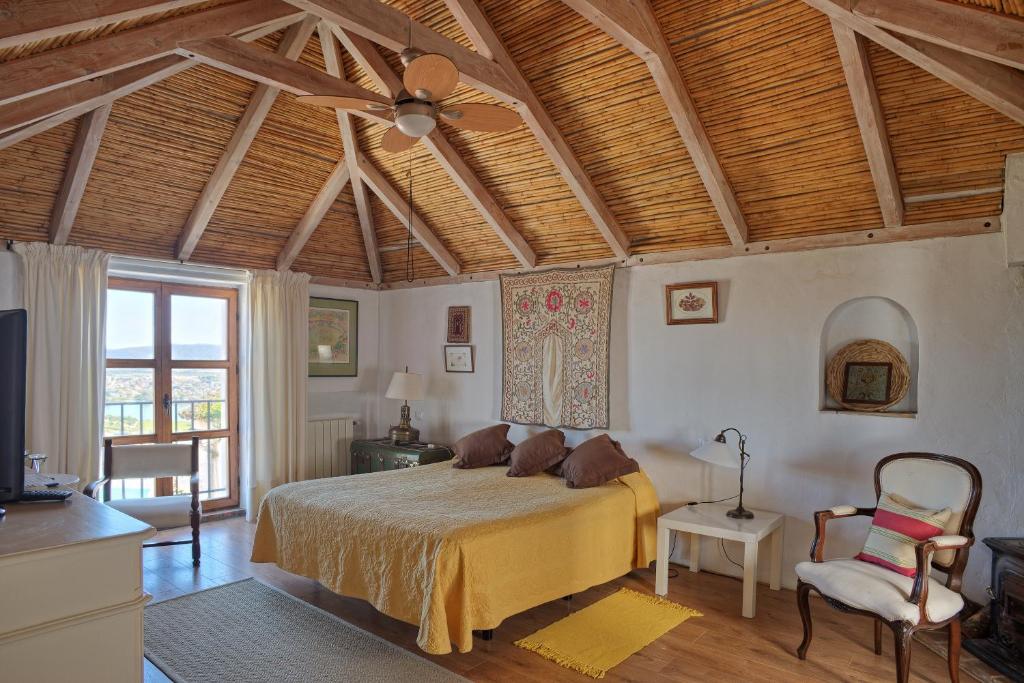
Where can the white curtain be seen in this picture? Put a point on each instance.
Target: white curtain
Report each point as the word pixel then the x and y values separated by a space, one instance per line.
pixel 65 294
pixel 278 319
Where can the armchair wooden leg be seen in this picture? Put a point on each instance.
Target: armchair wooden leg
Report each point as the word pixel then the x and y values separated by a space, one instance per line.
pixel 954 650
pixel 902 637
pixel 803 597
pixel 196 552
pixel 878 636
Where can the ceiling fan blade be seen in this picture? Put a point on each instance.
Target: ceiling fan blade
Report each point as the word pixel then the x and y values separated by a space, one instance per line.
pixel 431 77
pixel 352 103
pixel 395 141
pixel 488 118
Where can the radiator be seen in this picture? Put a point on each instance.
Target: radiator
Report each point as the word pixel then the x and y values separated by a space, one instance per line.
pixel 328 440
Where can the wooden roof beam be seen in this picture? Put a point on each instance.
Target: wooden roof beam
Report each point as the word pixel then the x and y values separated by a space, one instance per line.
pixel 635 26
pixel 39 113
pixel 27 21
pixel 291 47
pixel 536 116
pixel 449 158
pixel 871 120
pixel 389 27
pixel 52 69
pixel 985 34
pixel 398 205
pixel 996 85
pixel 76 173
pixel 369 60
pixel 318 208
pixel 346 126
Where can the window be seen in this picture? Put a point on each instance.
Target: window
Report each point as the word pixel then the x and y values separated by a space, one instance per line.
pixel 172 373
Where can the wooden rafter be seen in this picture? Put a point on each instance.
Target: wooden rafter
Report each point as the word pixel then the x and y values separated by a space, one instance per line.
pixel 871 120
pixel 292 45
pixel 635 26
pixel 996 85
pixel 449 158
pixel 346 126
pixel 369 60
pixel 390 28
pixel 536 116
pixel 398 206
pixel 318 208
pixel 52 69
pixel 992 36
pixel 26 21
pixel 76 173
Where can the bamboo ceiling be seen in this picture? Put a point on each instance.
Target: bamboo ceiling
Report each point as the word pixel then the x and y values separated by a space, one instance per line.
pixel 765 77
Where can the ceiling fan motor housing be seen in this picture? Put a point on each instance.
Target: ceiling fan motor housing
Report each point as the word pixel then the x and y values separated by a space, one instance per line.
pixel 415 118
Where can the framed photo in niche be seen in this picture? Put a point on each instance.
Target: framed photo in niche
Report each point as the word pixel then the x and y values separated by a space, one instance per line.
pixel 333 337
pixel 690 303
pixel 867 382
pixel 458 358
pixel 458 324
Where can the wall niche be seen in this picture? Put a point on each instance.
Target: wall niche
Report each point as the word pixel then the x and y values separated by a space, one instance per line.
pixel 870 317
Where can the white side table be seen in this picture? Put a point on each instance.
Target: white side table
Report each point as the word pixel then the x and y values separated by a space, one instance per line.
pixel 708 519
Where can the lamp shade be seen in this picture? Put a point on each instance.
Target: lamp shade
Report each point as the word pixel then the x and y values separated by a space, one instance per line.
pixel 405 386
pixel 717 453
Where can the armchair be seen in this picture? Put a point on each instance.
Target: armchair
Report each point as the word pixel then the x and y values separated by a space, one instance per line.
pixel 902 603
pixel 155 460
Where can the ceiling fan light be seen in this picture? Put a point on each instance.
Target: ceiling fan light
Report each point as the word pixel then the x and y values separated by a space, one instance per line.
pixel 415 125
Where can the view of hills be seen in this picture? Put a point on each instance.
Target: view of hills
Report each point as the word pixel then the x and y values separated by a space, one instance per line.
pixel 178 352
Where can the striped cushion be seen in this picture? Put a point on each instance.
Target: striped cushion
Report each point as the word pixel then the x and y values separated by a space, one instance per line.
pixel 896 529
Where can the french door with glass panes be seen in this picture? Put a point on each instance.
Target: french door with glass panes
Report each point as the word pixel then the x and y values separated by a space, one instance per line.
pixel 172 373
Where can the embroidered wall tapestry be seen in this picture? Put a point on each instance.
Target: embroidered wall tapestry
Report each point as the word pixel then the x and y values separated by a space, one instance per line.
pixel 556 326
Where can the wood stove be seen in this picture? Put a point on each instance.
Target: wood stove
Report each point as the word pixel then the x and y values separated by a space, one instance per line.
pixel 1003 649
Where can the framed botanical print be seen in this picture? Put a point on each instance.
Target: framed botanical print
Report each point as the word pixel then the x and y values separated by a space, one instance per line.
pixel 868 383
pixel 333 337
pixel 458 324
pixel 689 303
pixel 458 358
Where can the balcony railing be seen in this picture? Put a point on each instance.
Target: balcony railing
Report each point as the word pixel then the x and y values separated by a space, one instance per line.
pixel 125 413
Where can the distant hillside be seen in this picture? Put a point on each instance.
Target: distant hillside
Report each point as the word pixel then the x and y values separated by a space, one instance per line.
pixel 181 352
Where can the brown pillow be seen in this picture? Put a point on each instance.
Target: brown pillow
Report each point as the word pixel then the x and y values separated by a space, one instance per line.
pixel 595 462
pixel 537 454
pixel 482 448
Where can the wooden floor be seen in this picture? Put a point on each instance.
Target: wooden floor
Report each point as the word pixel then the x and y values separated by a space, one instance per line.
pixel 720 646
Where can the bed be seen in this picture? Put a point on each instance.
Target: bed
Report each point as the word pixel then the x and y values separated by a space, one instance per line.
pixel 452 550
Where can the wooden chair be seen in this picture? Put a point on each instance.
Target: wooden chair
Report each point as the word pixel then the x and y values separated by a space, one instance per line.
pixel 904 604
pixel 155 460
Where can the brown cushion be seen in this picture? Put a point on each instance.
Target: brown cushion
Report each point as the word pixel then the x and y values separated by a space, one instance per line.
pixel 537 454
pixel 482 448
pixel 595 462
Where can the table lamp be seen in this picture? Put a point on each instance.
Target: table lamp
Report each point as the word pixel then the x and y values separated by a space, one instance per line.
pixel 405 386
pixel 717 452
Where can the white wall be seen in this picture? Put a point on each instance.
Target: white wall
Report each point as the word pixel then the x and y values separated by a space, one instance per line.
pixel 758 369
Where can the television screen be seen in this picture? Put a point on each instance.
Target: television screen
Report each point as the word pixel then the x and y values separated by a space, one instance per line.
pixel 13 344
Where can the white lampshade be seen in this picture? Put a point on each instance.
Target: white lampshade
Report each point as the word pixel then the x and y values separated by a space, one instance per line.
pixel 717 453
pixel 406 386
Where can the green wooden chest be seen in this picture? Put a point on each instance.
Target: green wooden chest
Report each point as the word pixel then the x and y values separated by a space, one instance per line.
pixel 377 455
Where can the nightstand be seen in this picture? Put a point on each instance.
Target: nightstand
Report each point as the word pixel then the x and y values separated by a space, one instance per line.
pixel 377 455
pixel 708 519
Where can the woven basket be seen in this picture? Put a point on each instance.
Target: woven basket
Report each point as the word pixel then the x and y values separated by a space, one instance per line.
pixel 871 351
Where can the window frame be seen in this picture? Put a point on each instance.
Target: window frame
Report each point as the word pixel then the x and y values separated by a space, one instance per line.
pixel 162 365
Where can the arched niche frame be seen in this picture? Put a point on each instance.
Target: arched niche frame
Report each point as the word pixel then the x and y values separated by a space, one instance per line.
pixel 871 317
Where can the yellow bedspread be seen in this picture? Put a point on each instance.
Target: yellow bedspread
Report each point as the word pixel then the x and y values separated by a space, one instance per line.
pixel 454 550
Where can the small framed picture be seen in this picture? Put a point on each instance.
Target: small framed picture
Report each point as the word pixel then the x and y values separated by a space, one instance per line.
pixel 867 383
pixel 458 324
pixel 458 358
pixel 689 303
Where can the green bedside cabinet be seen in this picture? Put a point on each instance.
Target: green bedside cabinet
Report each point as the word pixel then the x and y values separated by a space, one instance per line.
pixel 378 455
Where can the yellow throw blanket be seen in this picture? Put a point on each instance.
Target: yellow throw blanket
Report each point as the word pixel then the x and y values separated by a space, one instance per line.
pixel 455 550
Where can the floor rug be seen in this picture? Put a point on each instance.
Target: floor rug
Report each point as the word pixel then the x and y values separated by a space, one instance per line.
pixel 248 631
pixel 600 636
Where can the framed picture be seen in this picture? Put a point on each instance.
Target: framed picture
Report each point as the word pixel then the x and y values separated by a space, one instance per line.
pixel 458 358
pixel 458 324
pixel 333 337
pixel 867 382
pixel 689 303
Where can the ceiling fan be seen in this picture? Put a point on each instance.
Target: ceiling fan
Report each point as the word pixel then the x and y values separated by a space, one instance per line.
pixel 428 78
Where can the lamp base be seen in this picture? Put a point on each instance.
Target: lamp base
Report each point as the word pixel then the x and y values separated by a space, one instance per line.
pixel 739 512
pixel 400 434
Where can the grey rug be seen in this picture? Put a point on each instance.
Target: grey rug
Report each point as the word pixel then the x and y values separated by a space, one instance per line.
pixel 248 631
